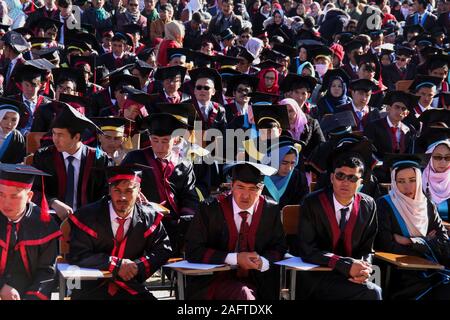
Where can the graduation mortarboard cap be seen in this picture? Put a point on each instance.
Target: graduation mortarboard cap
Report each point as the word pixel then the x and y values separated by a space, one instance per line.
pixel 363 85
pixel 338 123
pixel 116 124
pixel 13 105
pixel 69 74
pixel 208 73
pixel 438 60
pixel 269 116
pixel 171 118
pixel 236 80
pixel 210 38
pixel 143 66
pixel 375 34
pixel 286 50
pixel 129 172
pixel 408 99
pixel 248 172
pixel 16 41
pixel 78 61
pixel 430 51
pixel 118 81
pixel 294 81
pixel 179 52
pixel 435 116
pixel 352 45
pixel 352 147
pixel 332 74
pixel 227 34
pixel 268 64
pixel 132 28
pixel 38 43
pixel 402 161
pixel 262 98
pixel 247 55
pixel 69 117
pixel 137 95
pixel 412 28
pixel 170 72
pixel 431 137
pixel 51 54
pixel 345 37
pixel 119 36
pixel 76 102
pixel 226 60
pixel 29 72
pixel 321 52
pixel 76 45
pixel 25 32
pixel 48 23
pixel 423 40
pixel 22 176
pixel 424 81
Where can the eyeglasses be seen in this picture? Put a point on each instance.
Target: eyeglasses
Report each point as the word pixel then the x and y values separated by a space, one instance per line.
pixel 403 108
pixel 245 36
pixel 440 158
pixel 243 90
pixel 350 177
pixel 202 88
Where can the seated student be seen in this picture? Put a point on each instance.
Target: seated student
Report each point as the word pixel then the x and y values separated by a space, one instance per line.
pixel 352 49
pixel 400 69
pixel 143 70
pixel 239 86
pixel 12 142
pixel 241 229
pixel 118 57
pixel 369 68
pixel 335 83
pixel 171 181
pixel 300 88
pixel 119 234
pixel 436 175
pixel 114 136
pixel 337 229
pixel 426 87
pixel 409 224
pixel 73 182
pixel 289 185
pixel 87 65
pixel 361 91
pixel 27 272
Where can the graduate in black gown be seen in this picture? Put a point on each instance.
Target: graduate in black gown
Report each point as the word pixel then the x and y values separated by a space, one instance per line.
pixel 12 142
pixel 337 229
pixel 410 225
pixel 29 238
pixel 241 229
pixel 122 235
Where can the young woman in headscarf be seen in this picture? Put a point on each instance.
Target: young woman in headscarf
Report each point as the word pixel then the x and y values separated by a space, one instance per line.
pixel 268 81
pixel 12 142
pixel 408 224
pixel 289 185
pixel 335 85
pixel 277 26
pixel 436 177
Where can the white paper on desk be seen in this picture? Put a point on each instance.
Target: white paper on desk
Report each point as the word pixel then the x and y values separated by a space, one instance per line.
pixel 69 270
pixel 184 264
pixel 297 262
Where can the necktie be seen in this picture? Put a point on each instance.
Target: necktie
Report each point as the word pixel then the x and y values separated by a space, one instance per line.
pixel 163 164
pixel 13 237
pixel 394 138
pixel 121 230
pixel 343 219
pixel 420 18
pixel 118 62
pixel 8 71
pixel 70 182
pixel 243 241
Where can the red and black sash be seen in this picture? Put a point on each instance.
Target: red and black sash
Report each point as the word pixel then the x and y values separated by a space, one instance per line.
pixel 401 143
pixel 328 208
pixel 62 176
pixel 418 110
pixel 225 202
pixel 212 114
pixel 162 179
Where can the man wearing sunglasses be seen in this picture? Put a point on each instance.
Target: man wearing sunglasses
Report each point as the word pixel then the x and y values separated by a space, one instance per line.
pixel 400 69
pixel 337 230
pixel 239 86
pixel 390 134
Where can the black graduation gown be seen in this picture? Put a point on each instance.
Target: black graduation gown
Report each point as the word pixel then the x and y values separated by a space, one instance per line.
pixel 391 74
pixel 108 61
pixel 372 115
pixel 321 242
pixel 15 150
pixel 9 85
pixel 92 245
pixel 231 112
pixel 99 100
pixel 296 189
pixel 428 24
pixel 91 183
pixel 216 118
pixel 408 284
pixel 176 187
pixel 312 136
pixel 44 115
pixel 24 118
pixel 29 266
pixel 212 235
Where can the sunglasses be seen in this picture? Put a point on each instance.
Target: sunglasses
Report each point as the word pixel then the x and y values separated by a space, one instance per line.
pixel 241 90
pixel 350 177
pixel 202 88
pixel 440 158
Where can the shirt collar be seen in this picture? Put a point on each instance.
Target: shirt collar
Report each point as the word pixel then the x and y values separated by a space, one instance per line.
pixel 25 99
pixel 118 57
pixel 236 208
pixel 113 215
pixel 76 155
pixel 391 125
pixel 422 108
pixel 338 206
pixel 364 110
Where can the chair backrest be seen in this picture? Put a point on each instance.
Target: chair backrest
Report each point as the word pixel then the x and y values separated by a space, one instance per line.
pixel 290 216
pixel 387 186
pixel 403 85
pixel 64 242
pixel 33 141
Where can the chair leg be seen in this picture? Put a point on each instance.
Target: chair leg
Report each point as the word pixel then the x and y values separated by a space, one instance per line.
pixel 163 277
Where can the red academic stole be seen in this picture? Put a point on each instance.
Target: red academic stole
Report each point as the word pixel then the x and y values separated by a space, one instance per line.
pixel 212 114
pixel 401 143
pixel 62 176
pixel 162 178
pixel 328 207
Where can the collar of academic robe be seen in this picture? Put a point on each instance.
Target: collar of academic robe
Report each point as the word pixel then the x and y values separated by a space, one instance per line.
pixel 327 204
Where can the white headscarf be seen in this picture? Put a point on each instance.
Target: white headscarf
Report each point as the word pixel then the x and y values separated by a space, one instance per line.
pixel 438 183
pixel 254 46
pixel 413 211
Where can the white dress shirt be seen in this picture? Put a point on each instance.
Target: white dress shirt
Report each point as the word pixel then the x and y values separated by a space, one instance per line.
pixel 338 207
pixel 114 224
pixel 231 258
pixel 76 165
pixel 30 103
pixel 205 109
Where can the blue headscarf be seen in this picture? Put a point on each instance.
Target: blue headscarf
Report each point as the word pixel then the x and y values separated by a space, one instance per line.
pixel 332 101
pixel 276 184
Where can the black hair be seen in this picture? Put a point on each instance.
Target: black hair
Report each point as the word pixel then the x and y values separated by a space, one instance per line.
pixel 64 78
pixel 246 30
pixel 64 3
pixel 350 161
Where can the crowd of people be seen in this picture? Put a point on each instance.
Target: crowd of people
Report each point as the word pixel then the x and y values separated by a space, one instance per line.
pixel 182 129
